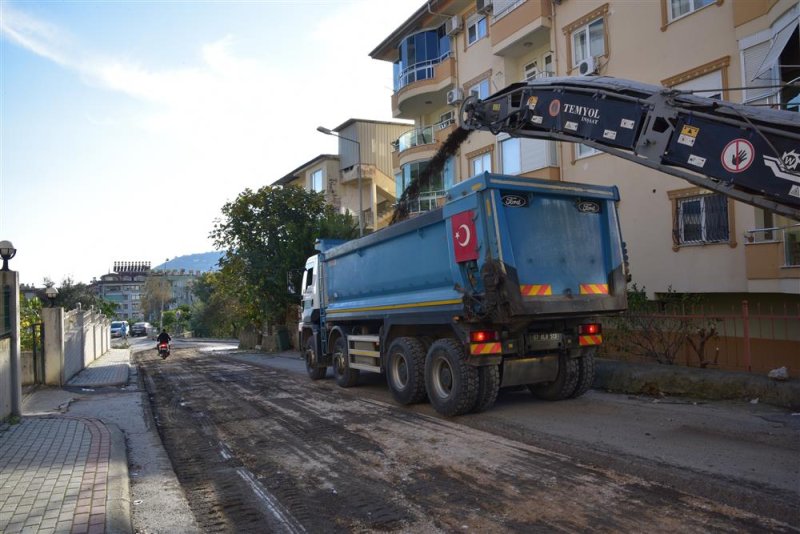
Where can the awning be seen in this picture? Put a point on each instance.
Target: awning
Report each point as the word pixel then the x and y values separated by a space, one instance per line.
pixel 778 44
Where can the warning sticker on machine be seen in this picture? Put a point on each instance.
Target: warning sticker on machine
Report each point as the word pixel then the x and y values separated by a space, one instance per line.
pixel 532 101
pixel 688 135
pixel 569 125
pixel 697 161
pixel 536 119
pixel 626 123
pixel 795 191
pixel 609 134
pixel 737 155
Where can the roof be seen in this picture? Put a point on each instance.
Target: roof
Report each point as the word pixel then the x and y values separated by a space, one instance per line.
pixel 293 175
pixel 386 49
pixel 348 122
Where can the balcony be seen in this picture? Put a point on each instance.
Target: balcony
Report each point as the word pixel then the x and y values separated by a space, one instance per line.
pixel 423 84
pixel 421 143
pixel 522 25
pixel 772 258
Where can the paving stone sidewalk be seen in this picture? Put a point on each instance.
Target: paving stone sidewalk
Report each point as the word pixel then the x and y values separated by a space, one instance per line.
pixel 65 474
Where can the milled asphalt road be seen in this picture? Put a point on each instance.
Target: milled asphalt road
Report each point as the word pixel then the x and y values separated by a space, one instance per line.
pixel 714 444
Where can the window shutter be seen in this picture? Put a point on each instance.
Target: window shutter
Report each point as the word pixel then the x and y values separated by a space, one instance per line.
pixel 753 58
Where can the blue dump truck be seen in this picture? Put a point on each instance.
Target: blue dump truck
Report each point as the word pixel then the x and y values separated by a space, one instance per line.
pixel 502 286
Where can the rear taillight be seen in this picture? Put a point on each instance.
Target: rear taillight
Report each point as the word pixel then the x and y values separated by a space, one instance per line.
pixel 590 329
pixel 483 336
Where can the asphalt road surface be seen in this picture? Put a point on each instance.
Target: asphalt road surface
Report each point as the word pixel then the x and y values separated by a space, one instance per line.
pixel 258 447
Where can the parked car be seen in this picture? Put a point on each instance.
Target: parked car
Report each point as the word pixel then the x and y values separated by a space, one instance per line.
pixel 119 329
pixel 140 329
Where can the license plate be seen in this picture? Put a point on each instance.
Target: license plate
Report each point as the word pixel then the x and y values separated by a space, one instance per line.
pixel 544 340
pixel 550 336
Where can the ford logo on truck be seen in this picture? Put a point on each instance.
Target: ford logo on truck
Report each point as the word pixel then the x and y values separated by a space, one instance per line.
pixel 587 206
pixel 514 201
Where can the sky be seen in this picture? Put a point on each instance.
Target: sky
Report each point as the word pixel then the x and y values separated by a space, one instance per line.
pixel 126 125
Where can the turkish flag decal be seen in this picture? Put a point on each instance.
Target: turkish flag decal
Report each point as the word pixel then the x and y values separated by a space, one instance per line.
pixel 465 242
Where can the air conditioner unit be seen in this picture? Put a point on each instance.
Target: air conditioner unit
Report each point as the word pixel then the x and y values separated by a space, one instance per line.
pixel 587 66
pixel 453 26
pixel 454 96
pixel 483 7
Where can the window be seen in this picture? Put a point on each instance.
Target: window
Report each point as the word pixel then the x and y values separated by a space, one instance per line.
pixel 510 156
pixel 518 156
pixel 589 41
pixel 429 192
pixel 476 28
pixel 530 71
pixel 680 8
pixel 480 89
pixel 316 181
pixel 480 164
pixel 702 219
pixel 583 151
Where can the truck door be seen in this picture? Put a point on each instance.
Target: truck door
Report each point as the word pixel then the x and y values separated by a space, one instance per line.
pixel 310 291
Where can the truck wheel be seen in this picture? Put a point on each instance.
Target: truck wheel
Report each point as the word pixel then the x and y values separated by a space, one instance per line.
pixel 563 386
pixel 345 376
pixel 488 386
pixel 314 372
pixel 452 384
pixel 405 370
pixel 585 374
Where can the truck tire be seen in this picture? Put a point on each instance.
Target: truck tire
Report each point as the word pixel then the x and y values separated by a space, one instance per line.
pixel 345 376
pixel 585 374
pixel 451 382
pixel 405 370
pixel 563 386
pixel 488 386
pixel 314 372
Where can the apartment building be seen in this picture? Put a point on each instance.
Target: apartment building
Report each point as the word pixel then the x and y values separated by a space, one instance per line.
pixel 678 236
pixel 359 178
pixel 124 286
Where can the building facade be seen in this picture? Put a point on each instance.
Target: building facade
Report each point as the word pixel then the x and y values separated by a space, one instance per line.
pixel 679 237
pixel 124 286
pixel 365 158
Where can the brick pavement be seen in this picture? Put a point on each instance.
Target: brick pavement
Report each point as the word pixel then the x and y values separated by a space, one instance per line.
pixel 54 475
pixel 110 370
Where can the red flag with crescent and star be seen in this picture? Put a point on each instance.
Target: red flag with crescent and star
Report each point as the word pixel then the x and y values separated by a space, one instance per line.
pixel 465 242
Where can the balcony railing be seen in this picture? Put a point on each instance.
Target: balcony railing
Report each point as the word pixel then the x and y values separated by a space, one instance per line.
pixel 421 136
pixel 423 70
pixel 788 235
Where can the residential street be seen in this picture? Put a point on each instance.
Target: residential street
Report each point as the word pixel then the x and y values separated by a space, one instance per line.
pixel 258 447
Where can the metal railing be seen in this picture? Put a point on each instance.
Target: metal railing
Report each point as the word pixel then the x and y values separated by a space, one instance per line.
pixel 789 235
pixel 421 136
pixel 424 70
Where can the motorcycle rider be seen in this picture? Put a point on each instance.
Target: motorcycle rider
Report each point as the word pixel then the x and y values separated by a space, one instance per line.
pixel 163 337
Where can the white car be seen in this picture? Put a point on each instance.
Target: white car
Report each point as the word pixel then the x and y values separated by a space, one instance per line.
pixel 119 329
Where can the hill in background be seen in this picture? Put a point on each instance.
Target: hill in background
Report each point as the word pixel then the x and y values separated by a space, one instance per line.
pixel 204 261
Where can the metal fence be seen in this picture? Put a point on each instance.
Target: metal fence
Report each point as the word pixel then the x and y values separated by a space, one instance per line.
pixel 752 338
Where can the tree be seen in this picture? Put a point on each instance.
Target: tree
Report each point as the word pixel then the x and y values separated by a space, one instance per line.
pixel 30 313
pixel 216 311
pixel 267 234
pixel 156 294
pixel 72 294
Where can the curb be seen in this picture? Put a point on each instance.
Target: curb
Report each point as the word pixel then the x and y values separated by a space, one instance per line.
pixel 711 384
pixel 118 519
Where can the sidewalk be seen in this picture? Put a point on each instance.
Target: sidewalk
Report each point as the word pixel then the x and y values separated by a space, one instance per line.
pixel 62 473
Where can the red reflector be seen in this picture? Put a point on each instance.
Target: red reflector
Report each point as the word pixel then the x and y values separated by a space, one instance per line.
pixel 482 336
pixel 590 329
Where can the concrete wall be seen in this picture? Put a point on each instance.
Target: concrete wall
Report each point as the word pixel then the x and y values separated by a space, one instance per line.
pixel 73 340
pixel 5 378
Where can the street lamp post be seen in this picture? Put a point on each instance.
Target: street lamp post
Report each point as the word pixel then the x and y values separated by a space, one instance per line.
pixel 7 251
pixel 327 131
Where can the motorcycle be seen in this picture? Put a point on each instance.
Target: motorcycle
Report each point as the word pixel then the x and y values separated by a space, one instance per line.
pixel 163 350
